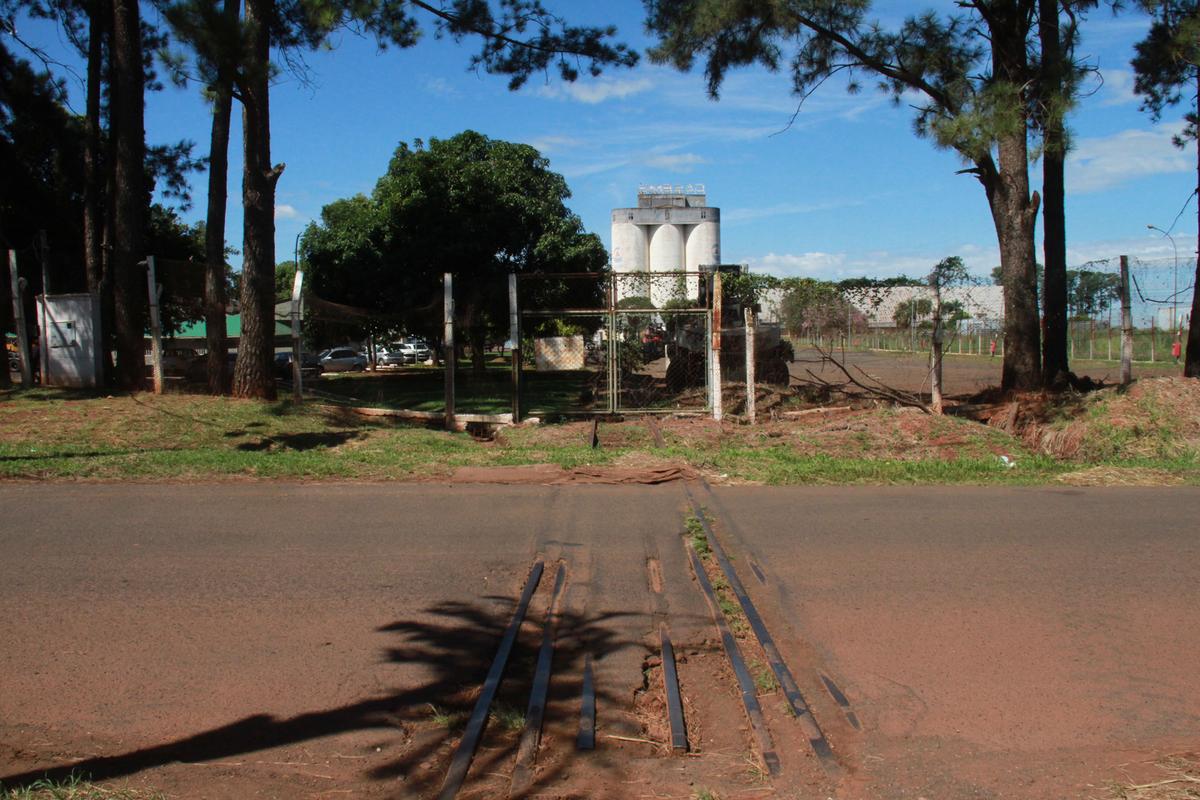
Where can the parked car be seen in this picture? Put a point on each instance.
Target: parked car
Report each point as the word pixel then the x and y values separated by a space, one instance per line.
pixel 343 359
pixel 417 350
pixel 394 357
pixel 175 361
pixel 310 366
pixel 197 371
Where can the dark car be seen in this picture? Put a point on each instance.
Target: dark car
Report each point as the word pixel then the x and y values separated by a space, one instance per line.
pixel 310 366
pixel 197 370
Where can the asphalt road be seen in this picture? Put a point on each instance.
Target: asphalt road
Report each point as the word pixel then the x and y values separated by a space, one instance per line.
pixel 994 642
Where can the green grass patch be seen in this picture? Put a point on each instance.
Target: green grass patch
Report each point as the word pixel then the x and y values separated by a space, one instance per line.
pixel 53 434
pixel 74 788
pixel 508 718
pixel 764 678
pixel 695 532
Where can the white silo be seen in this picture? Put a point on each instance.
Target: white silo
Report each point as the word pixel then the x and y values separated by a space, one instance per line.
pixel 671 230
pixel 704 243
pixel 666 249
pixel 629 249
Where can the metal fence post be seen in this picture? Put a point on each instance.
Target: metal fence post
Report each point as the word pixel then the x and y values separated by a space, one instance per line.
pixel 1126 326
pixel 614 377
pixel 514 335
pixel 44 328
pixel 297 388
pixel 155 326
pixel 750 387
pixel 19 322
pixel 717 411
pixel 448 346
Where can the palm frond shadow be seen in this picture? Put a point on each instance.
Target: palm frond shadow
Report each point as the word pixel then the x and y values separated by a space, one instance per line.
pixel 455 643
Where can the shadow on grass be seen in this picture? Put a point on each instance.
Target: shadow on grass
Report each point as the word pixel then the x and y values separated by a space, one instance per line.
pixel 456 649
pixel 297 441
pixel 87 454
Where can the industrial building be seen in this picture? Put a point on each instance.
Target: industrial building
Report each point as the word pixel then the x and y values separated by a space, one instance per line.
pixel 672 229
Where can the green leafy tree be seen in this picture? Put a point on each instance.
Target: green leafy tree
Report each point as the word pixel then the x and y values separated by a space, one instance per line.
pixel 970 69
pixel 519 38
pixel 948 273
pixel 474 206
pixel 912 311
pixel 1091 293
pixel 811 307
pixel 1167 68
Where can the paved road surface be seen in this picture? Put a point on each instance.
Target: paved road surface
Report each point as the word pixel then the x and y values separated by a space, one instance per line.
pixel 994 642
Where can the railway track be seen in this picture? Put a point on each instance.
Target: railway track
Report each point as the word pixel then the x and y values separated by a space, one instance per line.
pixel 782 740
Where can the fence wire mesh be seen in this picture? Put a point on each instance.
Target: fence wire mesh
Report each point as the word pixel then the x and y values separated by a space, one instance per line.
pixel 614 342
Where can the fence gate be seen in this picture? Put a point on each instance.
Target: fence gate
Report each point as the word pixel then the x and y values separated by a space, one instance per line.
pixel 613 343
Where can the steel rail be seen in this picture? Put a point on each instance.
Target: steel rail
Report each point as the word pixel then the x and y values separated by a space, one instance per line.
pixel 816 737
pixel 679 740
pixel 522 776
pixel 745 682
pixel 460 762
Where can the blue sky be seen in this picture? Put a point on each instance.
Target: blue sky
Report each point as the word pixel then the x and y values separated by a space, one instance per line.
pixel 847 189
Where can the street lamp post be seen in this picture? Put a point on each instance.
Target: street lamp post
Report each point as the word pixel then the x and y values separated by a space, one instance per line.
pixel 1175 287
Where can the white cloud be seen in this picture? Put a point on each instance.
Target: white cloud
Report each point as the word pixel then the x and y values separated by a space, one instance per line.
pixel 1105 162
pixel 596 91
pixel 675 162
pixel 787 209
pixel 794 264
pixel 875 263
pixel 1118 87
pixel 285 211
pixel 555 144
pixel 441 87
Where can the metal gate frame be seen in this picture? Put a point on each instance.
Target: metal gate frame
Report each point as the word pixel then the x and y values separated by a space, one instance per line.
pixel 612 358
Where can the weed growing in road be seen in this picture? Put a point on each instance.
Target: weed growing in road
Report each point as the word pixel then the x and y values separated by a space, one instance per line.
pixel 754 770
pixel 73 788
pixel 446 719
pixel 764 678
pixel 695 529
pixel 508 718
pixel 706 794
pixel 1182 782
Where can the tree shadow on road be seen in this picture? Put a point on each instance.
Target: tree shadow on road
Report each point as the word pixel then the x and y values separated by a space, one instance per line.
pixel 456 649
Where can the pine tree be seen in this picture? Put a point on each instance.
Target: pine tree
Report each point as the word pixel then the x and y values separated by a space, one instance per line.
pixel 971 69
pixel 1167 68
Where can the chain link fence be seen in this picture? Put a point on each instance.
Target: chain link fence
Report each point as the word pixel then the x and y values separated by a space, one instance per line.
pixel 615 342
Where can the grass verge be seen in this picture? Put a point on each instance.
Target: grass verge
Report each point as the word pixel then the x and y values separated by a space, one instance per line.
pixel 54 434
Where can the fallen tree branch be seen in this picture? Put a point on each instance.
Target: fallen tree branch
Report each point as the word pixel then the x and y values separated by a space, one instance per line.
pixel 870 386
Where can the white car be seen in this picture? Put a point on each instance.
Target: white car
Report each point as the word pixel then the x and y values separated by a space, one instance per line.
pixel 416 352
pixel 343 359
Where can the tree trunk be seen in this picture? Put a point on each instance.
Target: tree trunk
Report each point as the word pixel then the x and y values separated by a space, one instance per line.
pixel 1054 244
pixel 6 317
pixel 1014 211
pixel 252 374
pixel 129 197
pixel 1191 360
pixel 214 229
pixel 93 222
pixel 1014 214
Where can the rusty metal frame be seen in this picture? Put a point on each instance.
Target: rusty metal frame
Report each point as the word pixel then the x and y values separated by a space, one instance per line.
pixel 611 315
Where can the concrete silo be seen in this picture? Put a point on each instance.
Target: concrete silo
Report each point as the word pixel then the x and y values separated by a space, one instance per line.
pixel 672 229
